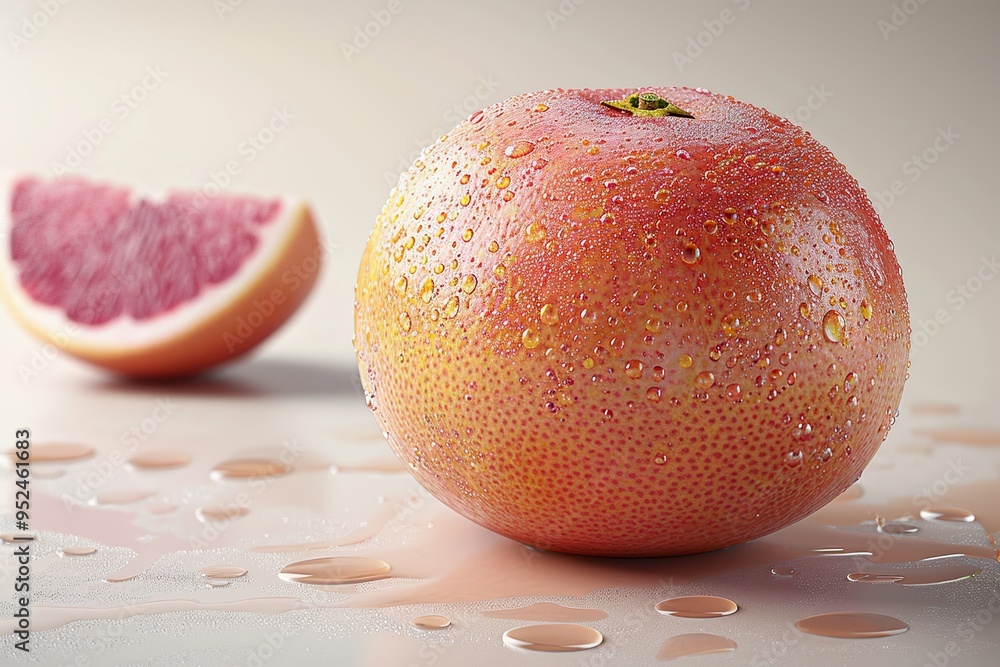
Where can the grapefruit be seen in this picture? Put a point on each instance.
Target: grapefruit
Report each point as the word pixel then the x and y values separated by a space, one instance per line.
pixel 153 286
pixel 623 324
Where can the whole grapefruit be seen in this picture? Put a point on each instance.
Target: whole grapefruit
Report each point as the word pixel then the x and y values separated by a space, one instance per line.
pixel 659 326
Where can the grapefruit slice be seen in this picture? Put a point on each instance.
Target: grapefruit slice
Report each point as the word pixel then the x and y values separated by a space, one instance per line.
pixel 152 286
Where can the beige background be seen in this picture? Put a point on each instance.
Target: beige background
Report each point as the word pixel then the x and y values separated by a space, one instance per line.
pixel 886 92
pixel 878 82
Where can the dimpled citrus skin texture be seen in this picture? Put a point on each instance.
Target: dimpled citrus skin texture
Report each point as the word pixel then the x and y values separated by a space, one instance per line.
pixel 607 334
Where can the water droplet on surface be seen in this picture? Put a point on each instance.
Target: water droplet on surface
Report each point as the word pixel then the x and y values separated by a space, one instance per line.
pixel 124 497
pixel 804 310
pixel 222 572
pixel 947 514
pixel 654 394
pixel 530 338
pixel 467 235
pixel 503 182
pixel 851 625
pixel 660 459
pixel 866 309
pixel 733 391
pixel 431 622
pixel 401 284
pixel 850 382
pixel 549 314
pixel 695 643
pixel 57 452
pixel 898 528
pixel 833 326
pixel 730 325
pixel 685 361
pixel 493 246
pixel 541 106
pixel 697 606
pixel 220 512
pixel 705 379
pixel 661 195
pixel 404 321
pixel 77 551
pixel 334 570
pixel 520 148
pixel 464 200
pixel 248 469
pixel 793 458
pixel 710 226
pixel 783 570
pixel 553 637
pixel 683 154
pixel 159 459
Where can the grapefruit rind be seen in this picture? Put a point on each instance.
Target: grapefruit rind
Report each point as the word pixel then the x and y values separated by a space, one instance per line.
pixel 224 322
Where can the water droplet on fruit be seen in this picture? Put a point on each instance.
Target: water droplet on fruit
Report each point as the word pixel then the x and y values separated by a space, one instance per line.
pixel 469 284
pixel 553 637
pixel 654 394
pixel 654 325
pixel 711 226
pixel 451 307
pixel 401 284
pixel 660 459
pixel 535 232
pixel 427 290
pixel 733 391
pixel 729 215
pixel 682 306
pixel 549 314
pixel 465 199
pixel 793 458
pixel 633 369
pixel 850 382
pixel 816 285
pixel 685 361
pixel 530 338
pixel 503 182
pixel 730 324
pixel 467 235
pixel 404 321
pixel 519 149
pixel 804 310
pixel 541 106
pixel 783 571
pixel 661 195
pixel 833 326
pixel 493 246
pixel 705 379
pixel 683 154
pixel 697 606
pixel 690 253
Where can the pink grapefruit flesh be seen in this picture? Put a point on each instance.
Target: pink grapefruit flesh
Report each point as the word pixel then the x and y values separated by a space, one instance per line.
pixel 153 286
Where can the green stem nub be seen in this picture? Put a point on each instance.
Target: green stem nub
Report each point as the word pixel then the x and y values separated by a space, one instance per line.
pixel 647 104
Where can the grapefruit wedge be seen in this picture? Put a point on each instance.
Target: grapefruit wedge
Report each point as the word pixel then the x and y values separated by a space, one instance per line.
pixel 152 286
